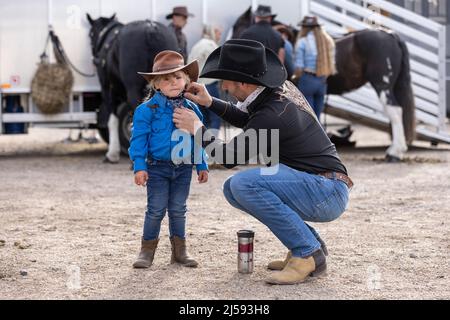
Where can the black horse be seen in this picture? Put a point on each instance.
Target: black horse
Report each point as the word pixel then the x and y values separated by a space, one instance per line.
pixel 377 57
pixel 120 51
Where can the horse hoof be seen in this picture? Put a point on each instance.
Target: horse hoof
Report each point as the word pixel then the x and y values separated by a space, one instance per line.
pixel 106 160
pixel 392 159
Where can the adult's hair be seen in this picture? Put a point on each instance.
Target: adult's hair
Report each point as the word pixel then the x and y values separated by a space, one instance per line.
pixel 209 31
pixel 325 50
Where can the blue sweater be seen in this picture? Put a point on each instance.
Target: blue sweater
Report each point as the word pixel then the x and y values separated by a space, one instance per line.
pixel 152 135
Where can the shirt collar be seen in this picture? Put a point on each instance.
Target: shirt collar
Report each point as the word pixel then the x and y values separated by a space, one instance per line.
pixel 243 106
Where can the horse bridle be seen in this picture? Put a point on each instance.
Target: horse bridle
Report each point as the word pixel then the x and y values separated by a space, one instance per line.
pixel 102 36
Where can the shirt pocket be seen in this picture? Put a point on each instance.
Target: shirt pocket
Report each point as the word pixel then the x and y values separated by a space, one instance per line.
pixel 159 123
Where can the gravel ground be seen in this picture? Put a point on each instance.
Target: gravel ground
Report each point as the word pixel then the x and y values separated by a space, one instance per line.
pixel 71 227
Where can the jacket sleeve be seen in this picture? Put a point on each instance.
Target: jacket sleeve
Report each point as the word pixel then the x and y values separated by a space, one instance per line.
pixel 140 137
pixel 229 112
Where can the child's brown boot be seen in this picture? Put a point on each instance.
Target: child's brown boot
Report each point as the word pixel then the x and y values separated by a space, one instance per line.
pixel 179 253
pixel 147 254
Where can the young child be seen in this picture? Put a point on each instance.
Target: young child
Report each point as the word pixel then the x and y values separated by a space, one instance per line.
pixel 158 160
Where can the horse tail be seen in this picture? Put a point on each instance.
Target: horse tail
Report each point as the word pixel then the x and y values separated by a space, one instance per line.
pixel 404 94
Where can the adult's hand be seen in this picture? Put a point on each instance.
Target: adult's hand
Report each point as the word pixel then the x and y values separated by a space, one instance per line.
pixel 186 120
pixel 197 92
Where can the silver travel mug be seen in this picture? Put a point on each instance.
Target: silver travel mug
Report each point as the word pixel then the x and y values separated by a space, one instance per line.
pixel 245 251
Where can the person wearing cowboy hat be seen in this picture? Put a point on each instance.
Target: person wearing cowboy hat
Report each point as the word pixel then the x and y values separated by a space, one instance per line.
pixel 162 159
pixel 307 180
pixel 263 32
pixel 287 34
pixel 179 16
pixel 314 62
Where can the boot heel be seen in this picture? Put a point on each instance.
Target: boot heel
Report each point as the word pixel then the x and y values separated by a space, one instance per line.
pixel 320 270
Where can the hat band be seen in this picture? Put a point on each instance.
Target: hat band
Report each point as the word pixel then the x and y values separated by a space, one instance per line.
pixel 168 68
pixel 260 73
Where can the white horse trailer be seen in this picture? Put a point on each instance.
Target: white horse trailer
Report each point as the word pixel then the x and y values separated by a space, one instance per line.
pixel 24 26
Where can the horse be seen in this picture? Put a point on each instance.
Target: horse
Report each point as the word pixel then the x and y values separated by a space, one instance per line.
pixel 378 57
pixel 119 52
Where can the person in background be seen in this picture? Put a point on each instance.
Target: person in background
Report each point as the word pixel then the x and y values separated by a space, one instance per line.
pixel 314 62
pixel 263 32
pixel 179 18
pixel 200 52
pixel 287 35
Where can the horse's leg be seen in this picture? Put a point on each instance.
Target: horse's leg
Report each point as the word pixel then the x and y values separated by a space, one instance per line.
pixel 113 153
pixel 394 112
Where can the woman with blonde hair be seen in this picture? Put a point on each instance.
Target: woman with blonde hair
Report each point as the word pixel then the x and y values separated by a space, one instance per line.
pixel 314 62
pixel 200 52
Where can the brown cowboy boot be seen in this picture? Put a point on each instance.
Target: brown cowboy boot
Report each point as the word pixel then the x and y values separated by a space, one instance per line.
pixel 147 254
pixel 280 264
pixel 298 269
pixel 179 253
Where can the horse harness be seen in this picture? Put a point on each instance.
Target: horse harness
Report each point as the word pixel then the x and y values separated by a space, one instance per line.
pixel 114 27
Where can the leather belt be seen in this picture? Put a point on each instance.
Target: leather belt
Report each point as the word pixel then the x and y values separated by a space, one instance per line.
pixel 338 176
pixel 310 72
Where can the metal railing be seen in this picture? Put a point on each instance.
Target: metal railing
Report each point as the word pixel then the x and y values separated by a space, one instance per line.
pixel 426 41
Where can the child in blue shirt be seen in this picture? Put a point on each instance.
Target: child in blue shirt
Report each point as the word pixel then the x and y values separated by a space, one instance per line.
pixel 163 156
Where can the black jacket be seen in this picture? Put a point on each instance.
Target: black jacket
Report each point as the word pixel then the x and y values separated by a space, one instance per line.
pixel 182 41
pixel 303 143
pixel 264 33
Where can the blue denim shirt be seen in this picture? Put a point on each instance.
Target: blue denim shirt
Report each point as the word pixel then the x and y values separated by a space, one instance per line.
pixel 151 135
pixel 306 53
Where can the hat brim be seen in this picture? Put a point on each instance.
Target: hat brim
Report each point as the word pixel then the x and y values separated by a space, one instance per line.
pixel 283 28
pixel 274 77
pixel 265 15
pixel 169 16
pixel 309 25
pixel 191 69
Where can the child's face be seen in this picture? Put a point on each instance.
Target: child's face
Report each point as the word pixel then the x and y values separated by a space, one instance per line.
pixel 172 84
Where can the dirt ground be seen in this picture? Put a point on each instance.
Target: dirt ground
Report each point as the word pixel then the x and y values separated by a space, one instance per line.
pixel 71 226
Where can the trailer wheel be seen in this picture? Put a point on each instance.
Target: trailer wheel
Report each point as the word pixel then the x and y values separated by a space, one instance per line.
pixel 125 118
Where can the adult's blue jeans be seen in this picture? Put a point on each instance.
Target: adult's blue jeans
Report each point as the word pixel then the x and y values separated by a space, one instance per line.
pixel 211 120
pixel 167 191
pixel 285 200
pixel 314 89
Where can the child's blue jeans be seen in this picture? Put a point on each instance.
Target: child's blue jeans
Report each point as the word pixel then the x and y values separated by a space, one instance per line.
pixel 167 190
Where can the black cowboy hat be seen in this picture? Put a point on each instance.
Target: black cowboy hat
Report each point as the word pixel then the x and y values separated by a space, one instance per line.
pixel 309 22
pixel 246 61
pixel 264 11
pixel 179 11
